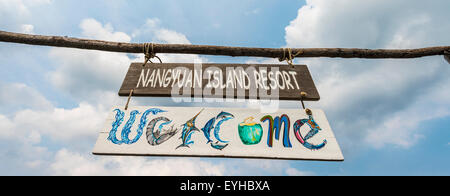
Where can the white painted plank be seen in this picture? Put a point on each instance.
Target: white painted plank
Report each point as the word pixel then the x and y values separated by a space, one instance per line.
pixel 228 132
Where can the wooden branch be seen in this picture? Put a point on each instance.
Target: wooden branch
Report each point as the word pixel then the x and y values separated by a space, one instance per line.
pixel 59 41
pixel 447 56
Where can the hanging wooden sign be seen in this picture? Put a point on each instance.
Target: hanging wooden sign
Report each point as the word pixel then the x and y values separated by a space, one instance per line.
pixel 218 132
pixel 249 81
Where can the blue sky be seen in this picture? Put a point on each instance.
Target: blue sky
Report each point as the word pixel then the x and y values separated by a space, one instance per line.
pixel 391 117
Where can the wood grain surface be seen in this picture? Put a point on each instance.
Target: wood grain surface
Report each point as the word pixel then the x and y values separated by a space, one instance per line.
pixel 298 76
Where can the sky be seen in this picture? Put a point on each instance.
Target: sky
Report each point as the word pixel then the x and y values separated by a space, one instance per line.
pixel 390 116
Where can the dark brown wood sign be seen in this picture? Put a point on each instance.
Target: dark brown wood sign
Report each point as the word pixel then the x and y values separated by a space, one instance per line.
pixel 249 81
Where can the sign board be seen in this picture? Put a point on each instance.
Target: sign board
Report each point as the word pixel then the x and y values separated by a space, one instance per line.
pixel 218 132
pixel 246 81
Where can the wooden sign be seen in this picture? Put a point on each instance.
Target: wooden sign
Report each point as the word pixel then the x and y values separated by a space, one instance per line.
pixel 218 132
pixel 247 81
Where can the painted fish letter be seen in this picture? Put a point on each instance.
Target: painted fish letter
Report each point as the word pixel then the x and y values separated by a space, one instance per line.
pixel 222 117
pixel 188 129
pixel 275 126
pixel 127 128
pixel 119 119
pixel 314 130
pixel 159 136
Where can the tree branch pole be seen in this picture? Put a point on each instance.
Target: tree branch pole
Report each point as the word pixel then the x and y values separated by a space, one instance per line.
pixel 60 41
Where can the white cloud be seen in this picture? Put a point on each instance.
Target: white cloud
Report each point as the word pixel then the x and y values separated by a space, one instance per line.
pixel 27 116
pixel 372 23
pixel 27 29
pixel 62 124
pixel 152 28
pixel 16 96
pixel 92 76
pixel 252 12
pixel 30 125
pixel 20 7
pixel 296 172
pixel 95 30
pixel 245 167
pixel 14 13
pixel 402 128
pixel 88 75
pixel 71 163
pixel 375 101
pixel 6 127
pixel 152 31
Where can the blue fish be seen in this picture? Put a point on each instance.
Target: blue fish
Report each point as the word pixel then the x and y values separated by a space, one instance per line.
pixel 207 129
pixel 218 146
pixel 188 129
pixel 223 116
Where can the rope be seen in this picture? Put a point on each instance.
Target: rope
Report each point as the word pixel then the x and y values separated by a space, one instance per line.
pixel 290 57
pixel 447 56
pixel 149 54
pixel 307 110
pixel 302 95
pixel 129 98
